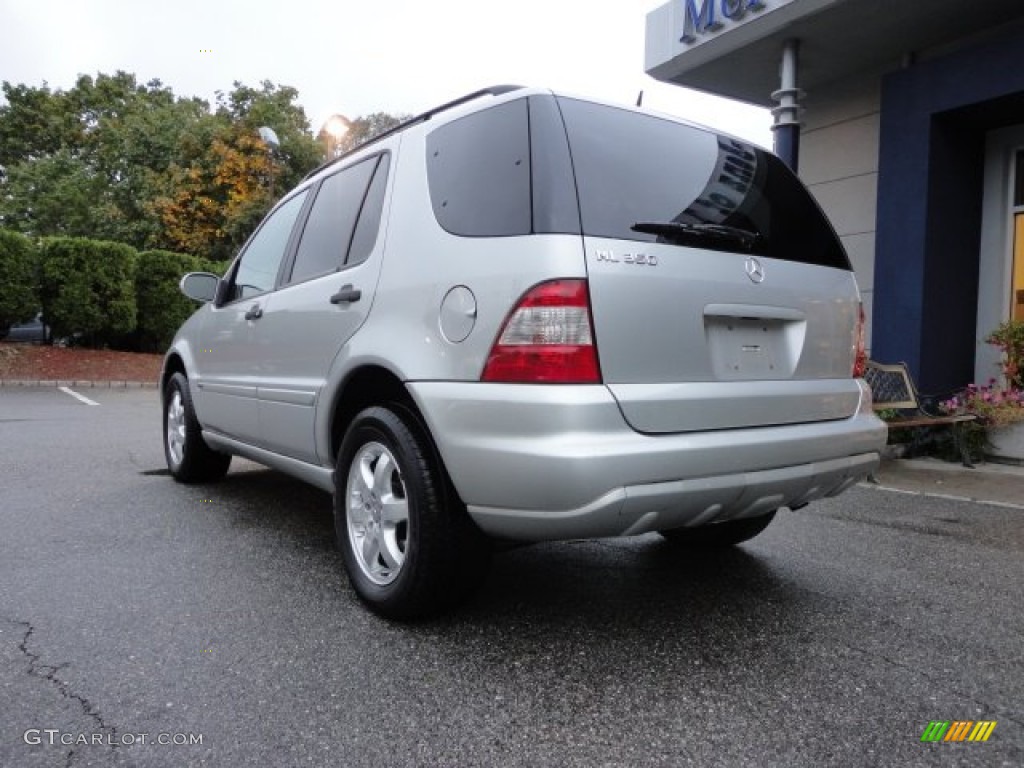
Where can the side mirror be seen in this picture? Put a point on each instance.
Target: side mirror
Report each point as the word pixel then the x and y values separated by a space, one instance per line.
pixel 199 286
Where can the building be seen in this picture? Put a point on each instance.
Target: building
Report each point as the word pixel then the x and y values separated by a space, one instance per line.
pixel 906 120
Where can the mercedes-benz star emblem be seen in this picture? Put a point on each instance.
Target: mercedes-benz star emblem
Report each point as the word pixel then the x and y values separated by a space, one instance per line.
pixel 754 269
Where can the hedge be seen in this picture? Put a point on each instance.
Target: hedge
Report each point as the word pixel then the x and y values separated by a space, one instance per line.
pixel 97 293
pixel 19 296
pixel 87 288
pixel 162 308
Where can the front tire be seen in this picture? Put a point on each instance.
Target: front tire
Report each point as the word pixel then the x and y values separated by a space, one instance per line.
pixel 189 458
pixel 718 535
pixel 408 546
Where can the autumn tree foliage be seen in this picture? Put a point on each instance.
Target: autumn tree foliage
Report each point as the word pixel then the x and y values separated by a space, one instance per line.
pixel 213 203
pixel 116 160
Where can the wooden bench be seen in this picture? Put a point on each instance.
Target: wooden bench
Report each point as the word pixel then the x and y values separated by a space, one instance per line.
pixel 893 389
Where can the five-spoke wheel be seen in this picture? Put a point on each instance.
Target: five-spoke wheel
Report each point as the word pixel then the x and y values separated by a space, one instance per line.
pixel 408 545
pixel 378 513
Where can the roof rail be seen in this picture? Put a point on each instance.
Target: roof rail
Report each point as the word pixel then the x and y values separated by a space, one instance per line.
pixel 494 90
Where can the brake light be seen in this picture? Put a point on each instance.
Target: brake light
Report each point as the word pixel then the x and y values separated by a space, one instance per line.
pixel 547 338
pixel 860 355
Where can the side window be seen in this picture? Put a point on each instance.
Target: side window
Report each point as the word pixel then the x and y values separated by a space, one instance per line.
pixel 257 270
pixel 328 231
pixel 365 236
pixel 478 168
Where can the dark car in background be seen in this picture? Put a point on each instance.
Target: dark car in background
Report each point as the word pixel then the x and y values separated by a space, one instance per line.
pixel 33 331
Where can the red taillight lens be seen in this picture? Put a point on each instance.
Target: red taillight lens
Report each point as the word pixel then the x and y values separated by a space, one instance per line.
pixel 860 355
pixel 548 338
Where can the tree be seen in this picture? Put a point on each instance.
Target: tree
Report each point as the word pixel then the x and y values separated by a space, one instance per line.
pixel 101 146
pixel 364 128
pixel 58 194
pixel 274 106
pixel 217 200
pixel 34 123
pixel 111 158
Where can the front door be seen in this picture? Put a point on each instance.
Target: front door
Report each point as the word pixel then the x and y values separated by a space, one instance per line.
pixel 227 362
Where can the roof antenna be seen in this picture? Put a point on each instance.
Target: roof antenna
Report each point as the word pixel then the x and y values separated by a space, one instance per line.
pixel 640 99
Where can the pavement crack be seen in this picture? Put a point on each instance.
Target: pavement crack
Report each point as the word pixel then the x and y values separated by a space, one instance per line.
pixel 48 672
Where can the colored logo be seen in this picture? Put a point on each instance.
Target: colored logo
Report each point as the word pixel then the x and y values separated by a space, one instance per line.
pixel 958 730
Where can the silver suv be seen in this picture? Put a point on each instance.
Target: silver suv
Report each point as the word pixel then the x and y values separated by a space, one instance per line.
pixel 523 316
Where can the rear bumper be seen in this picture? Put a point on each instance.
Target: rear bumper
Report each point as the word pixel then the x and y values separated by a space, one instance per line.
pixel 541 463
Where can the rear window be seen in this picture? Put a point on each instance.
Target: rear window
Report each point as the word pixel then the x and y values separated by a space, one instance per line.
pixel 632 168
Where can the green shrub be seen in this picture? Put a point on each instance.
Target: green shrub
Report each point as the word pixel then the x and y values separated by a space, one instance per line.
pixel 19 299
pixel 216 267
pixel 87 289
pixel 161 305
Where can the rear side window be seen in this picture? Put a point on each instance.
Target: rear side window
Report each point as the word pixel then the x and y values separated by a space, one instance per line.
pixel 479 172
pixel 328 231
pixel 365 236
pixel 632 168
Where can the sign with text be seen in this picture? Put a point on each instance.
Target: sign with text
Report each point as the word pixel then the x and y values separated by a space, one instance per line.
pixel 701 17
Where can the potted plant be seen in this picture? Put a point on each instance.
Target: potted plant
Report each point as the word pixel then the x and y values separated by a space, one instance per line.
pixel 1000 405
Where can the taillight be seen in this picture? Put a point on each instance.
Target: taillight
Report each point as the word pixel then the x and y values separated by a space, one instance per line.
pixel 860 355
pixel 548 338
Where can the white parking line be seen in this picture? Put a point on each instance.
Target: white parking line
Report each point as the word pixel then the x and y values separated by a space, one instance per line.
pixel 946 496
pixel 83 398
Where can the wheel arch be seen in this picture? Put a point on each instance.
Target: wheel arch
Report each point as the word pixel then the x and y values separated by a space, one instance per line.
pixel 366 386
pixel 173 363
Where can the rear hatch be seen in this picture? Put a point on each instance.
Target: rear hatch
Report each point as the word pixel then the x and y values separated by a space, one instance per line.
pixel 721 296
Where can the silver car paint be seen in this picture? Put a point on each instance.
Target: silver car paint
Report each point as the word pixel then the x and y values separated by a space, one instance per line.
pixel 536 461
pixel 515 449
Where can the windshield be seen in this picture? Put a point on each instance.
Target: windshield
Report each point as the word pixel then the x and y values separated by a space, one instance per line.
pixel 703 189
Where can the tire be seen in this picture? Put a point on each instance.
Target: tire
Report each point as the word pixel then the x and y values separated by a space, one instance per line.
pixel 718 535
pixel 189 458
pixel 408 545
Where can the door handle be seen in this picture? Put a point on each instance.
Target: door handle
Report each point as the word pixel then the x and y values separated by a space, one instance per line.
pixel 254 313
pixel 346 295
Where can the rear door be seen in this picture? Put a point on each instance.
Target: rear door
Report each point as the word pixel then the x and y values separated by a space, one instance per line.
pixel 721 296
pixel 327 293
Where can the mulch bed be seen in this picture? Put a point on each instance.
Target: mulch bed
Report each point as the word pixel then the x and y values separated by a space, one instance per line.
pixel 35 362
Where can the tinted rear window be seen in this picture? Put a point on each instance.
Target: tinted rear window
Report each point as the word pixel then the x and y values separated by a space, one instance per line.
pixel 632 167
pixel 479 172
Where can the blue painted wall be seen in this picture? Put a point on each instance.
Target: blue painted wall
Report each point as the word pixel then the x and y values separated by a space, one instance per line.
pixel 934 119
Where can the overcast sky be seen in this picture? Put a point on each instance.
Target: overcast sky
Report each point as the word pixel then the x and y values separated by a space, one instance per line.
pixel 356 57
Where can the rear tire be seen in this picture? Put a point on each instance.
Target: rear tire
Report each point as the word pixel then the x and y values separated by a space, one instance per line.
pixel 189 458
pixel 408 545
pixel 718 535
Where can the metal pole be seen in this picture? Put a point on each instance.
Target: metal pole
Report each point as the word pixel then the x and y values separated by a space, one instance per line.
pixel 787 114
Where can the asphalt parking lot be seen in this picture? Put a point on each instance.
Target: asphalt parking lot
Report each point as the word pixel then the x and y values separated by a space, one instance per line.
pixel 135 610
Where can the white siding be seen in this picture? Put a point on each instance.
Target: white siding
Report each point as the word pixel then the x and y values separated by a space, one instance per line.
pixel 839 163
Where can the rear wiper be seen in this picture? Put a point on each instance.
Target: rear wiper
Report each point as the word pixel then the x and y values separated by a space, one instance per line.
pixel 683 233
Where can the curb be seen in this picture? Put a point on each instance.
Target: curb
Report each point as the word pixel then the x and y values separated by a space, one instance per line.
pixel 998 485
pixel 78 384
